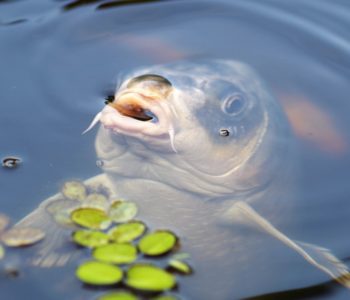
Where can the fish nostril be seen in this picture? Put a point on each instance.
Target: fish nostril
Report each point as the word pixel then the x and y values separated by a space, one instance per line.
pixel 109 99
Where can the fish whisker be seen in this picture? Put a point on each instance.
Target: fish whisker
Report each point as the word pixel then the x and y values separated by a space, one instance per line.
pixel 93 123
pixel 172 138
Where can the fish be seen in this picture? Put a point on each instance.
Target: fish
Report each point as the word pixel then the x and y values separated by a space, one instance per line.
pixel 203 148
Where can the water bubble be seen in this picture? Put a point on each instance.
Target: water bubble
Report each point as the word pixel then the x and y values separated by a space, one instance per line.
pixel 224 132
pixel 11 162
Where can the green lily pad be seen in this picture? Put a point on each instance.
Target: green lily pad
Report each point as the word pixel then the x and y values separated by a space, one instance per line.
pixel 89 238
pixel 118 296
pixel 2 252
pixel 74 190
pixel 22 236
pixel 122 211
pixel 116 253
pixel 127 232
pixel 147 277
pixel 157 243
pixel 4 221
pixel 91 218
pixel 99 273
pixel 180 266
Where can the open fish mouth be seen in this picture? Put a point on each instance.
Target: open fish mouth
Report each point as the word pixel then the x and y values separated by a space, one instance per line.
pixel 137 113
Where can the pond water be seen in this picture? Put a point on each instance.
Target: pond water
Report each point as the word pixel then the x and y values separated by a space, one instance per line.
pixel 60 59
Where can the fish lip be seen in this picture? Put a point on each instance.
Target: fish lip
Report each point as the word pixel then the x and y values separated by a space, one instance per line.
pixel 112 119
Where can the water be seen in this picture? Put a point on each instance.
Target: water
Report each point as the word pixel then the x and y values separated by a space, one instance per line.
pixel 58 64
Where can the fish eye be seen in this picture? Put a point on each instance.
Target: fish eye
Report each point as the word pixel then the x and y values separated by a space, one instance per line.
pixel 234 104
pixel 156 79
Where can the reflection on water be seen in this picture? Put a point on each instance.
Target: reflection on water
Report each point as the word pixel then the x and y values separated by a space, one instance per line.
pixel 56 67
pixel 110 4
pixel 107 4
pixel 321 291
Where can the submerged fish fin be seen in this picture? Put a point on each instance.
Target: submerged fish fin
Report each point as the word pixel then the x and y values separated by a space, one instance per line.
pixel 56 249
pixel 327 262
pixel 321 258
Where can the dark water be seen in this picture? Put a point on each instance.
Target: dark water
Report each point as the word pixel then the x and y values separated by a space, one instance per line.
pixel 59 59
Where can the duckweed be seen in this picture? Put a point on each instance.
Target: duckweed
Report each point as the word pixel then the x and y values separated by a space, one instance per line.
pixel 118 296
pixel 127 232
pixel 157 243
pixel 22 236
pixel 116 253
pixel 91 218
pixel 90 238
pixel 148 277
pixel 96 200
pixel 180 266
pixel 122 211
pixel 74 190
pixel 118 245
pixel 99 273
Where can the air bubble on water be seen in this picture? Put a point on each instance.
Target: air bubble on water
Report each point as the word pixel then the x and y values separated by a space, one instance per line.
pixel 11 162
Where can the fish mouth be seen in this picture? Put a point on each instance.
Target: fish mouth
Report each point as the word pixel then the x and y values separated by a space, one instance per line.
pixel 138 114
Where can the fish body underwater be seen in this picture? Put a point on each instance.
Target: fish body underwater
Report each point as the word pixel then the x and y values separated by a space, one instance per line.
pixel 204 149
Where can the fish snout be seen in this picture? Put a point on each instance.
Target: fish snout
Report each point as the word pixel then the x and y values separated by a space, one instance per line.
pixel 141 93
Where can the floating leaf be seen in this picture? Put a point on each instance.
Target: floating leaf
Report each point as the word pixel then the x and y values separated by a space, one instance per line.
pixel 116 253
pixel 122 211
pixel 180 266
pixel 157 243
pixel 74 190
pixel 61 204
pixel 4 221
pixel 22 236
pixel 61 209
pixel 147 277
pixel 118 296
pixel 127 232
pixel 99 273
pixel 89 238
pixel 96 200
pixel 2 252
pixel 63 218
pixel 92 218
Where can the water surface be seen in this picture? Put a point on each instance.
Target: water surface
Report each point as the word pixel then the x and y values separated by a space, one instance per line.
pixel 59 59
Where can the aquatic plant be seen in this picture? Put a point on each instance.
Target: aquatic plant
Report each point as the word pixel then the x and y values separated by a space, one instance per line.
pixel 17 236
pixel 119 244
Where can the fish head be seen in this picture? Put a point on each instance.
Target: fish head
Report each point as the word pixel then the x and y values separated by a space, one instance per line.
pixel 206 127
